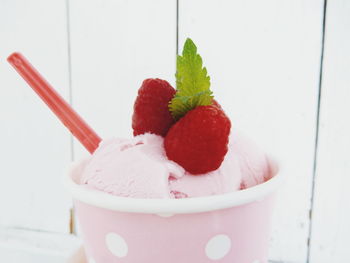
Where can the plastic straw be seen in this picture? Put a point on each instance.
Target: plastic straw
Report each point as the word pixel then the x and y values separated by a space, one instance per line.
pixel 77 126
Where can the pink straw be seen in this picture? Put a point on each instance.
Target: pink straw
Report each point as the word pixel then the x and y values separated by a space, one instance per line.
pixel 77 126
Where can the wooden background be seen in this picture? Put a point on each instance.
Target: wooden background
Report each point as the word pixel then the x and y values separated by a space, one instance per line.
pixel 280 68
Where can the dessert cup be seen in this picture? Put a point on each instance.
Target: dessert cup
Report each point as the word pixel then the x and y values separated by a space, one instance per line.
pixel 227 228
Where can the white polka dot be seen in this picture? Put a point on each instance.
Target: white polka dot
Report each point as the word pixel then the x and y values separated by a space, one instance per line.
pixel 91 260
pixel 116 245
pixel 165 215
pixel 218 247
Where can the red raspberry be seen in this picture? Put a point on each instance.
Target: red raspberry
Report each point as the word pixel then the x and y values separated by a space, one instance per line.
pixel 215 103
pixel 198 141
pixel 151 112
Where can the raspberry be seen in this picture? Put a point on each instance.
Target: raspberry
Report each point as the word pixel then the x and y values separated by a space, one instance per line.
pixel 151 112
pixel 198 141
pixel 215 103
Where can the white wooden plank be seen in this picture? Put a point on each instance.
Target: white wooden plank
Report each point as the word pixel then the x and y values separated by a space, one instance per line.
pixel 115 45
pixel 263 58
pixel 35 147
pixel 36 247
pixel 330 240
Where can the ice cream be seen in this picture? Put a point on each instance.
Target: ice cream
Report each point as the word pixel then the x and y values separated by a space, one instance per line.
pixel 139 168
pixel 245 165
pixel 183 145
pixel 183 148
pixel 254 164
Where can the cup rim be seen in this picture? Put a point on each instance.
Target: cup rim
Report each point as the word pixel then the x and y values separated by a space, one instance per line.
pixel 169 206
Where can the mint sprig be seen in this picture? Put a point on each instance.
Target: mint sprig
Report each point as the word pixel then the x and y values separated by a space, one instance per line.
pixel 192 82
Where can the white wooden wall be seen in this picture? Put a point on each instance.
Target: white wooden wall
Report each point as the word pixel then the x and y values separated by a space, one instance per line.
pixel 265 59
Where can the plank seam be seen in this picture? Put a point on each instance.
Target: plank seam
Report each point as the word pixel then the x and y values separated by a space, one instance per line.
pixel 71 212
pixel 69 72
pixel 318 114
pixel 177 27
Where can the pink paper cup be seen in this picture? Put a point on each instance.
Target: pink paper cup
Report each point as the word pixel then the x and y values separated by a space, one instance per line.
pixel 228 228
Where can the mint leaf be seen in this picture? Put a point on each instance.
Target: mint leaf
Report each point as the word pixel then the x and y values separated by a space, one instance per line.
pixel 192 82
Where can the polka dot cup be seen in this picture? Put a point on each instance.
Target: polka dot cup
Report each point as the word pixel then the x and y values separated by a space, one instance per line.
pixel 229 228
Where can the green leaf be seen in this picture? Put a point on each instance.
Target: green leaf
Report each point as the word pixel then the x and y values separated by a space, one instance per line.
pixel 192 82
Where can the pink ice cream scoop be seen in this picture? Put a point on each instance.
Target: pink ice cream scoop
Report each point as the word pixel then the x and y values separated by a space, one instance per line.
pixel 253 162
pixel 139 168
